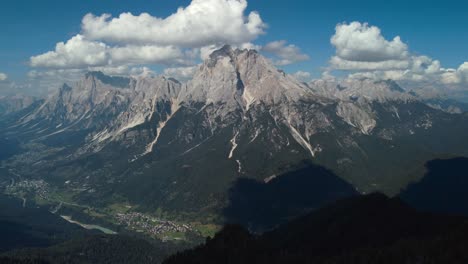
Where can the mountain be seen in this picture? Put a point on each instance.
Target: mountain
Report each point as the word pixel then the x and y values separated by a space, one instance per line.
pixel 364 90
pixel 366 229
pixel 448 105
pixel 158 145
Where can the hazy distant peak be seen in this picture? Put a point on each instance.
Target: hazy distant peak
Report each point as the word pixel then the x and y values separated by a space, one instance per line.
pixel 365 88
pixel 115 81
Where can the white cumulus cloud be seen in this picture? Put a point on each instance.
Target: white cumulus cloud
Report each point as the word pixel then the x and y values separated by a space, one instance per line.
pixel 181 73
pixel 363 47
pixel 3 76
pixel 456 76
pixel 202 23
pixel 75 53
pixel 360 42
pixel 79 52
pixel 146 54
pixel 362 50
pixel 342 64
pixel 302 76
pixel 287 54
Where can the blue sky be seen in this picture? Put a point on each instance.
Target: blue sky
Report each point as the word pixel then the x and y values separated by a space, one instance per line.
pixel 436 29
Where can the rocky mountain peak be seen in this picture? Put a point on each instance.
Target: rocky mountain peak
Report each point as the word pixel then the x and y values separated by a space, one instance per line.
pixel 239 78
pixel 225 51
pixel 228 51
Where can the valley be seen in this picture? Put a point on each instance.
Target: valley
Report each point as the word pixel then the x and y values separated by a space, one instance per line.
pixel 61 203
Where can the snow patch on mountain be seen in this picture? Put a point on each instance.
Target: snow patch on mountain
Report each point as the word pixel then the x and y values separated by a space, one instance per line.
pixel 302 141
pixel 234 145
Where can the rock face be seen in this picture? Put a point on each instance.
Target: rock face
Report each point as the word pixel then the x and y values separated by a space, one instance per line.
pixel 160 143
pixel 242 78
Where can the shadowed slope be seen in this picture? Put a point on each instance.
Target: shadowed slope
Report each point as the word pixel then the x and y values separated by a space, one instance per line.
pixel 263 205
pixel 443 188
pixel 366 229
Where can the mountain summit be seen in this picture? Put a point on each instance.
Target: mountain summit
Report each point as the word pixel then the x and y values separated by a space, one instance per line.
pixel 242 78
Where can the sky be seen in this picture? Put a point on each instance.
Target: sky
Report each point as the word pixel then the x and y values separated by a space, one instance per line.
pixel 418 43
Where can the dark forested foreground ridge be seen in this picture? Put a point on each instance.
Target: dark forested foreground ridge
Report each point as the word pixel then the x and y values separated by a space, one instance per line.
pixel 367 229
pixel 94 249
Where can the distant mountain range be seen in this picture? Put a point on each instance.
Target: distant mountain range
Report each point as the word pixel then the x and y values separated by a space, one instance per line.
pixel 158 144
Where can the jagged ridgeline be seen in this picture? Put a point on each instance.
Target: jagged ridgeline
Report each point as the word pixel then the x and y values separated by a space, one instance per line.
pixel 180 147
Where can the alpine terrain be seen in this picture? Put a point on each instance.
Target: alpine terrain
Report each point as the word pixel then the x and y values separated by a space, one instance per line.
pixel 113 146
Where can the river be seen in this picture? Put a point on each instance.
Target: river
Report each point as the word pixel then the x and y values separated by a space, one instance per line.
pixel 88 226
